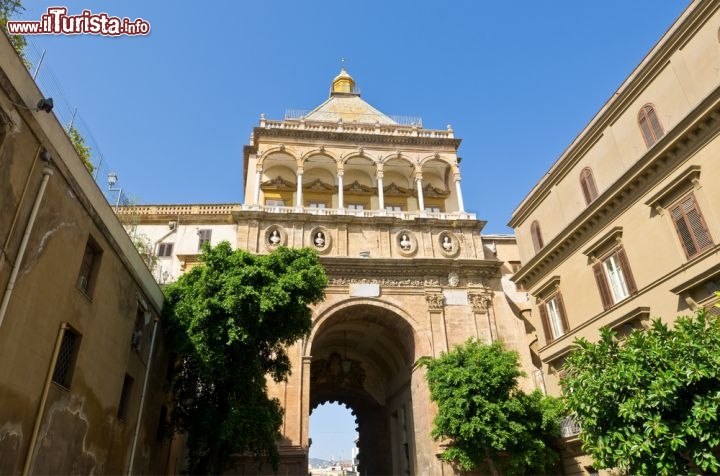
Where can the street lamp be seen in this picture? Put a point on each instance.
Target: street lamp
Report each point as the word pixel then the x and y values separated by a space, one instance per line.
pixel 112 180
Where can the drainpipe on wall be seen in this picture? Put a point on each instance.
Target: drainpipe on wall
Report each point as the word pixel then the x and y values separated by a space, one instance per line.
pixel 47 172
pixel 20 202
pixel 43 400
pixel 142 399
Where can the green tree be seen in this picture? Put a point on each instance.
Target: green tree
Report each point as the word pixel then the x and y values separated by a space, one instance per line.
pixel 8 10
pixel 230 321
pixel 486 417
pixel 82 149
pixel 648 404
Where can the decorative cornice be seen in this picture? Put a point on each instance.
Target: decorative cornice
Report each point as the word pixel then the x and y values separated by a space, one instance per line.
pixel 418 272
pixel 434 192
pixel 278 183
pixel 318 185
pixel 688 179
pixel 363 138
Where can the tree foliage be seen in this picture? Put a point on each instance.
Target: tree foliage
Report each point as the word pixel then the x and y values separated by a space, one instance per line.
pixel 649 404
pixel 484 414
pixel 81 147
pixel 229 322
pixel 8 10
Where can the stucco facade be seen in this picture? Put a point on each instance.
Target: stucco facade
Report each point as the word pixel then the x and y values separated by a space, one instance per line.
pixel 410 273
pixel 624 227
pixel 82 363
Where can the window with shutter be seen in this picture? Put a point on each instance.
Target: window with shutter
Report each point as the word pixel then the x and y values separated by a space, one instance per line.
pixel 650 125
pixel 587 184
pixel 690 226
pixel 614 278
pixel 536 236
pixel 554 320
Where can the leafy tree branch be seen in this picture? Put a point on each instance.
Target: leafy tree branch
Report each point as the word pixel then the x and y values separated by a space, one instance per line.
pixel 230 321
pixel 648 404
pixel 488 421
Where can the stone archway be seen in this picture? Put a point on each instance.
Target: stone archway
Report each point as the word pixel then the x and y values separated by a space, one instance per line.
pixel 362 356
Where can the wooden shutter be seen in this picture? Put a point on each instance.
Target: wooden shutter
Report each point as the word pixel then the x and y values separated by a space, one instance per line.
pixel 697 224
pixel 650 125
pixel 545 323
pixel 587 183
pixel 536 235
pixel 683 231
pixel 627 273
pixel 563 314
pixel 603 286
pixel 690 226
pixel 657 129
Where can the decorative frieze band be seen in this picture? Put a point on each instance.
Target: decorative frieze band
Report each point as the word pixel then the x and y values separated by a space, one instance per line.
pixel 385 282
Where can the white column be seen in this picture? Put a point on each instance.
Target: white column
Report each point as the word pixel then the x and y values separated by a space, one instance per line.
pixel 258 176
pixel 381 192
pixel 421 199
pixel 298 195
pixel 458 190
pixel 341 191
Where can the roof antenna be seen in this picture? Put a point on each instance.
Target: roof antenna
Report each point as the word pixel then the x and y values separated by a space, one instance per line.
pixel 342 63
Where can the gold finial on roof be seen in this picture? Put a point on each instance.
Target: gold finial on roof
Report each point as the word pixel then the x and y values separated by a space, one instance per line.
pixel 343 82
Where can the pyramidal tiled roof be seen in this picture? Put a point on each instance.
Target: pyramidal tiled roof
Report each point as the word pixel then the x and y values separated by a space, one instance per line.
pixel 349 108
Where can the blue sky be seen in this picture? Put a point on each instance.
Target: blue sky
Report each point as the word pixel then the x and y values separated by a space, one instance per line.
pixel 171 111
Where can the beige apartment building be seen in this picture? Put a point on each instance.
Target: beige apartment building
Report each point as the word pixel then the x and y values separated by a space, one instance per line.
pixel 380 199
pixel 625 225
pixel 82 365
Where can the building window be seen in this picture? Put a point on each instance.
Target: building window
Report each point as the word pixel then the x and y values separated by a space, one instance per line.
pixel 203 237
pixel 272 202
pixel 165 250
pixel 65 364
pixel 125 397
pixel 89 266
pixel 614 278
pixel 554 320
pixel 317 205
pixel 536 236
pixel 433 209
pixel 650 126
pixel 355 206
pixel 393 208
pixel 587 183
pixel 136 338
pixel 690 226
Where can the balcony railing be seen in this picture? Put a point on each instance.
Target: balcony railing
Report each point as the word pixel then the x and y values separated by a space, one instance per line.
pixel 569 427
pixel 364 213
pixel 401 130
pixel 227 208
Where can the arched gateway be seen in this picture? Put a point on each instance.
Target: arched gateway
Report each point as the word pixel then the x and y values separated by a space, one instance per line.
pixel 379 199
pixel 362 355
